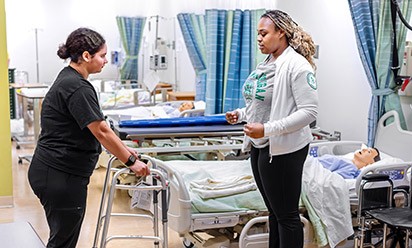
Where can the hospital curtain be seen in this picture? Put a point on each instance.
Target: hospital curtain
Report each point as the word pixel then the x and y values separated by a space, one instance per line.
pixel 131 30
pixel 231 56
pixel 194 34
pixel 374 35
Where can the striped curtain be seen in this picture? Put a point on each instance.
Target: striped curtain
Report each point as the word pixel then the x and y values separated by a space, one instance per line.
pixel 131 30
pixel 374 35
pixel 194 34
pixel 215 42
pixel 231 56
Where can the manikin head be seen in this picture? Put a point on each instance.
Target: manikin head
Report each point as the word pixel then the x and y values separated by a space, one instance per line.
pixel 186 106
pixel 365 156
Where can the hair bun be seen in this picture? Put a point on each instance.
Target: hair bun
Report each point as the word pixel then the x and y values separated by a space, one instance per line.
pixel 62 52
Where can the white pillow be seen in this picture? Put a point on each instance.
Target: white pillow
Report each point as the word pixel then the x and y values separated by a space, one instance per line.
pixel 363 146
pixel 199 105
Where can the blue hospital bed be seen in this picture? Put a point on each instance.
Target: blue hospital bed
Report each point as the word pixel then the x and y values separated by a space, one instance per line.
pixel 189 127
pixel 207 133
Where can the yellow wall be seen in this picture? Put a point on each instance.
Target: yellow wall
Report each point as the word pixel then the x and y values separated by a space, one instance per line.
pixel 6 183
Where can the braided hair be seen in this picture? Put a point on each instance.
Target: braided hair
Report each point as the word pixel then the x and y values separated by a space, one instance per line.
pixel 79 41
pixel 297 38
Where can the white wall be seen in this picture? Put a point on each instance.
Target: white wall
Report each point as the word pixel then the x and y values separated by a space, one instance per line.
pixel 56 19
pixel 344 93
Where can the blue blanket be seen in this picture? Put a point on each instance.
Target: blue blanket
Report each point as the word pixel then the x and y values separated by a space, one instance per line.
pixel 176 122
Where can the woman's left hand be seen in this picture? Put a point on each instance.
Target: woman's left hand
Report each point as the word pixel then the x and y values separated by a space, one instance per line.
pixel 254 130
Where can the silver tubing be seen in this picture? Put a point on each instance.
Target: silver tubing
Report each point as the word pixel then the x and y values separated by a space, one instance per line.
pixel 362 235
pixel 361 219
pixel 102 201
pixel 155 200
pixel 158 239
pixel 109 206
pixel 165 206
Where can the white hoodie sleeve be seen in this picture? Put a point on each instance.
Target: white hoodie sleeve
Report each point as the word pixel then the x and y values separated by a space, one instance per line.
pixel 304 95
pixel 241 117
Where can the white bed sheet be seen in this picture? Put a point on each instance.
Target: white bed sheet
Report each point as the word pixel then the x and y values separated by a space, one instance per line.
pixel 218 170
pixel 138 112
pixel 328 196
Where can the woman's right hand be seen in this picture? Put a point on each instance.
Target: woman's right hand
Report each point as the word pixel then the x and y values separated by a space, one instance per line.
pixel 140 168
pixel 232 117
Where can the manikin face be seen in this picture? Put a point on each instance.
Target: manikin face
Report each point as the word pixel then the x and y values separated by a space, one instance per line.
pixel 269 39
pixel 186 106
pixel 365 156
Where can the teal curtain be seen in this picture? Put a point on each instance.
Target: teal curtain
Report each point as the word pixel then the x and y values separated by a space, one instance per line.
pixel 374 36
pixel 231 56
pixel 194 34
pixel 223 50
pixel 131 31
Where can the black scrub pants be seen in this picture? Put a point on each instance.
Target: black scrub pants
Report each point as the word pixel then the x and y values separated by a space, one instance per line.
pixel 279 180
pixel 63 197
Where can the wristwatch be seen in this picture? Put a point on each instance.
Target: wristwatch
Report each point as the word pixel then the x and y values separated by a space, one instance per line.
pixel 131 160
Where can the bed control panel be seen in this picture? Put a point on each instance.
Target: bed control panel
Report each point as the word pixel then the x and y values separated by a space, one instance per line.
pixel 313 151
pixel 394 175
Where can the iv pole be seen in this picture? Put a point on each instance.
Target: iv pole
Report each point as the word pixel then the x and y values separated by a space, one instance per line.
pixel 36 30
pixel 175 54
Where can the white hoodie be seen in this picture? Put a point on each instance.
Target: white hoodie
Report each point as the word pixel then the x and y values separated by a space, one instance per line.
pixel 294 105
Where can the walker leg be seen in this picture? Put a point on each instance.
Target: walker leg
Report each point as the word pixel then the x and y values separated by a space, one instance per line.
pixel 164 217
pixel 101 208
pixel 108 212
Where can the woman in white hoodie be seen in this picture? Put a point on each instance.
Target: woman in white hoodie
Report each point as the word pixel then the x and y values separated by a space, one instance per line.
pixel 281 101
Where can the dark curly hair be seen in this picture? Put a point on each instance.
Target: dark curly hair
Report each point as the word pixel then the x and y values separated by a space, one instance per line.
pixel 79 41
pixel 297 38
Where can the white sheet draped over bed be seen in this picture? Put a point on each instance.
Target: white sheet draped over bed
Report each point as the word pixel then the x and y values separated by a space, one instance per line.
pixel 219 171
pixel 328 195
pixel 211 188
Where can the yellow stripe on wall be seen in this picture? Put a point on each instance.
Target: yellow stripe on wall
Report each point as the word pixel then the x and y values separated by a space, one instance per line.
pixel 6 180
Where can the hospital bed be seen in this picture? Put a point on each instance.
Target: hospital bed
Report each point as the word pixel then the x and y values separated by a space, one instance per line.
pixel 195 134
pixel 237 218
pixel 396 160
pixel 214 222
pixel 200 134
pixel 115 93
pixel 191 219
pixel 160 110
